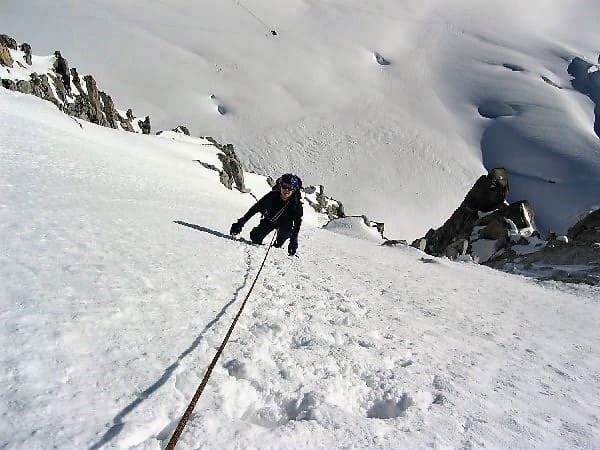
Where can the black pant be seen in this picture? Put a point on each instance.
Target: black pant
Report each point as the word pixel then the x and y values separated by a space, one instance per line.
pixel 258 233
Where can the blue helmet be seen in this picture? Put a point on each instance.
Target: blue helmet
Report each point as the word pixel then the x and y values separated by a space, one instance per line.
pixel 290 179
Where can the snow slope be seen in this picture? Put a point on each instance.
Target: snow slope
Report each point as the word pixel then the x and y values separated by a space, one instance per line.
pixel 119 282
pixel 401 142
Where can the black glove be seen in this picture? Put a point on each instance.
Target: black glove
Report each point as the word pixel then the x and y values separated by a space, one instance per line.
pixel 293 245
pixel 236 228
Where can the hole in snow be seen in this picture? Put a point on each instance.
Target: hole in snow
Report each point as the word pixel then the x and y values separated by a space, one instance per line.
pixel 388 409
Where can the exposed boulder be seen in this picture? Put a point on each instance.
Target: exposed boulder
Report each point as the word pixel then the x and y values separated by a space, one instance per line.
pixel 61 90
pixel 506 237
pixel 79 108
pixel 8 42
pixel 61 67
pixel 316 198
pixel 9 84
pixel 96 107
pixel 182 129
pixel 40 87
pixel 111 114
pixel 26 48
pixel 5 57
pixel 126 123
pixel 483 226
pixel 487 194
pixel 145 125
pixel 232 168
pixel 77 82
pixel 587 230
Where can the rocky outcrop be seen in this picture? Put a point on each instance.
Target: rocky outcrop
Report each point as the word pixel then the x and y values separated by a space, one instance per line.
pixel 232 168
pixel 96 107
pixel 5 57
pixel 587 230
pixel 8 42
pixel 108 108
pixel 145 125
pixel 486 229
pixel 489 193
pixel 77 82
pixel 181 129
pixel 40 87
pixel 85 102
pixel 26 48
pixel 484 225
pixel 316 198
pixel 61 67
pixel 574 258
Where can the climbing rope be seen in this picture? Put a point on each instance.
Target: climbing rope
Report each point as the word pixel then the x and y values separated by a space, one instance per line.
pixel 190 408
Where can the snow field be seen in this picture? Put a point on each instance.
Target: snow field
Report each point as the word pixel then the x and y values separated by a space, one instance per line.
pixel 119 283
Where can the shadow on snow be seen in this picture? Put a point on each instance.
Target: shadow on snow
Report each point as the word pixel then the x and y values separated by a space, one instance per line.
pixel 118 423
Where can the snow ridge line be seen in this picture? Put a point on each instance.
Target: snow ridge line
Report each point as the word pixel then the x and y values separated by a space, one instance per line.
pixel 188 412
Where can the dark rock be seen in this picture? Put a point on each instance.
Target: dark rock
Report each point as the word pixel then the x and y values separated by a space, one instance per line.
pixel 126 124
pixel 182 129
pixel 80 108
pixel 332 209
pixel 41 88
pixel 483 225
pixel 587 230
pixel 26 48
pixel 61 67
pixel 87 103
pixel 8 42
pixel 457 248
pixel 145 125
pixel 61 91
pixel 111 114
pixel 9 84
pixel 489 192
pixel 496 230
pixel 421 244
pixel 5 57
pixel 232 168
pixel 460 224
pixel 93 96
pixel 324 205
pixel 394 242
pixel 77 82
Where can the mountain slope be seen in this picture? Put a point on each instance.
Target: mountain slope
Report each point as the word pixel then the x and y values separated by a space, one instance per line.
pixel 119 282
pixel 400 142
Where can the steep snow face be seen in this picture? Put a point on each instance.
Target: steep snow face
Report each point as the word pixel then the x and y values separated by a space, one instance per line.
pixel 119 282
pixel 378 102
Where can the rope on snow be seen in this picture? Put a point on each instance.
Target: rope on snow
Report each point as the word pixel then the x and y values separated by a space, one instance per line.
pixel 188 412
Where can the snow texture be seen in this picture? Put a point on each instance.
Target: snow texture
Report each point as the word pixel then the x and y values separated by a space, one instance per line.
pixel 118 279
pixel 119 283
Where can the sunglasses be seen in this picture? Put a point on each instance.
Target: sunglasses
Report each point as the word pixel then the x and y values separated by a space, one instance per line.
pixel 287 187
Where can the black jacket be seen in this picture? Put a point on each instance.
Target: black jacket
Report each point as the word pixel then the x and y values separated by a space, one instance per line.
pixel 286 214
